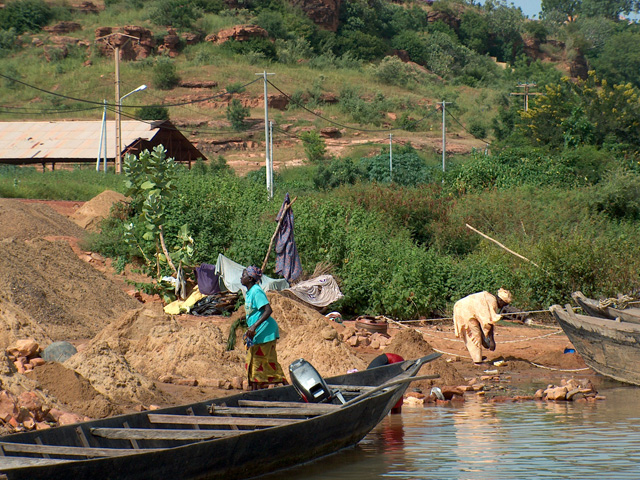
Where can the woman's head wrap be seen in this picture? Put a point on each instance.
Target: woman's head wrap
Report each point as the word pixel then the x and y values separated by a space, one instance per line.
pixel 254 272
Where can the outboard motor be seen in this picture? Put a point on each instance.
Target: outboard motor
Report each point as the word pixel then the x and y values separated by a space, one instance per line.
pixel 309 384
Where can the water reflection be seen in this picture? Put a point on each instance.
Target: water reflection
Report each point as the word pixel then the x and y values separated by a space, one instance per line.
pixel 480 440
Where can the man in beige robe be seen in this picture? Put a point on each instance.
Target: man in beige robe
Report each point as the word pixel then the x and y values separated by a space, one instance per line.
pixel 474 318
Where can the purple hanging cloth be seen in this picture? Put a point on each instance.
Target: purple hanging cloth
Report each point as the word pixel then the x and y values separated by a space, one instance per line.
pixel 287 258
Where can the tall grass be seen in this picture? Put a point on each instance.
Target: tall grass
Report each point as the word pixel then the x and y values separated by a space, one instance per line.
pixel 81 184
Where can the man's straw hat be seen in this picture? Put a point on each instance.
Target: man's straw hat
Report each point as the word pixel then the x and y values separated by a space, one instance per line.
pixel 505 295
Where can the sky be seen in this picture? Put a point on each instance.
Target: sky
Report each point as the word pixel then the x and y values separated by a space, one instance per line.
pixel 531 8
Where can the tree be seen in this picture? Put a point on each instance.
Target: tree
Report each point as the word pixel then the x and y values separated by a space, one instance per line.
pixel 586 112
pixel 150 183
pixel 25 15
pixel 314 145
pixel 236 114
pixel 559 10
pixel 165 76
pixel 619 59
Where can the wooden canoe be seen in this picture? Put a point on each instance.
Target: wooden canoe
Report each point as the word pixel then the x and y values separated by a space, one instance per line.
pixel 593 308
pixel 611 348
pixel 234 437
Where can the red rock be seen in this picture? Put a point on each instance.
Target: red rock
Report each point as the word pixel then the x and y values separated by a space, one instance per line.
pixel 24 348
pixel 449 392
pixel 37 362
pixel 69 418
pixel 192 382
pixel 8 408
pixel 30 401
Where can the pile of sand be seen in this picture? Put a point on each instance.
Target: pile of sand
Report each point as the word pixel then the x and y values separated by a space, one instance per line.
pixel 409 344
pixel 72 391
pixel 89 215
pixel 46 291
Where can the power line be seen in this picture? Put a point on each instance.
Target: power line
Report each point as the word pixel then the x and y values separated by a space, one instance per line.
pixel 101 104
pixel 386 130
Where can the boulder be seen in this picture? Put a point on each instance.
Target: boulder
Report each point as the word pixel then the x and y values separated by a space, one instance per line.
pixel 59 352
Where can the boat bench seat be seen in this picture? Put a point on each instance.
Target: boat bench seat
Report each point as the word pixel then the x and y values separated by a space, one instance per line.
pixel 211 420
pixel 162 433
pixel 70 451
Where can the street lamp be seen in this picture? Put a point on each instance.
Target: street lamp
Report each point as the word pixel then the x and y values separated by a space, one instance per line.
pixel 119 128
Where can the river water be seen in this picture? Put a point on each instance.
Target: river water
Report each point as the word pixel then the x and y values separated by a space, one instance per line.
pixel 481 440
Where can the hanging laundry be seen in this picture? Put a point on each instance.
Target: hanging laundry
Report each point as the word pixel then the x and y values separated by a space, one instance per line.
pixel 287 258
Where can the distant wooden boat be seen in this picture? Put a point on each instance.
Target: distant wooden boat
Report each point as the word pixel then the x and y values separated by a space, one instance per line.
pixel 611 348
pixel 235 437
pixel 593 308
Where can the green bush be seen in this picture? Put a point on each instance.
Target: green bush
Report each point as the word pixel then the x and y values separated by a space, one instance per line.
pixel 25 15
pixel 165 75
pixel 256 46
pixel 314 146
pixel 338 172
pixel 236 87
pixel 618 196
pixel 176 13
pixel 8 42
pixel 405 167
pixel 152 112
pixel 236 113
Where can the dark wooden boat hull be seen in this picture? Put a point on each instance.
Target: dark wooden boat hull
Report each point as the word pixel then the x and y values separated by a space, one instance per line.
pixel 609 347
pixel 241 456
pixel 592 307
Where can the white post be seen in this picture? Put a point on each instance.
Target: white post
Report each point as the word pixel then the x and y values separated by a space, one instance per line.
pixel 390 157
pixel 102 139
pixel 104 146
pixel 266 127
pixel 270 160
pixel 444 138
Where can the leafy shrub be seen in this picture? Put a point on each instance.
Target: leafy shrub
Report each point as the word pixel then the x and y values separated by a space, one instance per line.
pixel 165 76
pixel 618 196
pixel 405 167
pixel 478 129
pixel 152 112
pixel 236 87
pixel 291 51
pixel 338 172
pixel 8 41
pixel 236 113
pixel 512 167
pixel 25 15
pixel 393 71
pixel 362 46
pixel 256 46
pixel 314 146
pixel 177 13
pixel 363 112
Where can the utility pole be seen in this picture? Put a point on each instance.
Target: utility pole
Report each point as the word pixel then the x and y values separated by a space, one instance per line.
pixel 526 93
pixel 116 55
pixel 118 157
pixel 266 127
pixel 391 157
pixel 444 135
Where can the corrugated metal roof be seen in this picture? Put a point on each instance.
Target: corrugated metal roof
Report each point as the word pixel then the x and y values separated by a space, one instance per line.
pixel 73 140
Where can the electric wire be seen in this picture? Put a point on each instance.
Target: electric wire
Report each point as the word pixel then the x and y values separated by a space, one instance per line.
pixel 92 102
pixel 386 130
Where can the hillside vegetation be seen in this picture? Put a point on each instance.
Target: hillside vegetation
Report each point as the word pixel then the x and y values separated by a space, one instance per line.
pixel 557 183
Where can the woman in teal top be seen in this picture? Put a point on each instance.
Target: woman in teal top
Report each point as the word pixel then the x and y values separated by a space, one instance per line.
pixel 262 360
